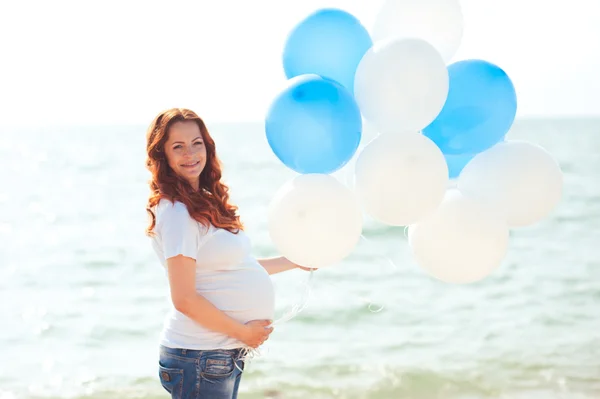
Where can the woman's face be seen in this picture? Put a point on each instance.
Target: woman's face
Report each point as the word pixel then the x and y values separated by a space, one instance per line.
pixel 186 152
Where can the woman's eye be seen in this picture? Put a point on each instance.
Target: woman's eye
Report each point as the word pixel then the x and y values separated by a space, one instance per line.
pixel 177 147
pixel 198 143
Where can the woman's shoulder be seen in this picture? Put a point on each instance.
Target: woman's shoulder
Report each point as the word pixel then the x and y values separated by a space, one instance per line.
pixel 168 203
pixel 176 211
pixel 166 207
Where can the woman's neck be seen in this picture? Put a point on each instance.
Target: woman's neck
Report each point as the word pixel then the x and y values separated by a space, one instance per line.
pixel 195 184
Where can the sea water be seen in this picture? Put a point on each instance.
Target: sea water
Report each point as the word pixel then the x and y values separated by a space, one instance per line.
pixel 82 296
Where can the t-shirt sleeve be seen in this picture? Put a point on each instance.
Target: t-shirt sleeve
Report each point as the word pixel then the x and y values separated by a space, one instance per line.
pixel 179 232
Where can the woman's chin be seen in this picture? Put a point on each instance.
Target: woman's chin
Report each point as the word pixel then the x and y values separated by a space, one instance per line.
pixel 190 176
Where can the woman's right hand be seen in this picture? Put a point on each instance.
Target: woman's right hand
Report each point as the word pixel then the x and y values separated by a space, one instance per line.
pixel 255 332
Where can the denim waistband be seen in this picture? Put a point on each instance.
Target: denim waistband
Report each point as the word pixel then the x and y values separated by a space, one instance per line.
pixel 193 353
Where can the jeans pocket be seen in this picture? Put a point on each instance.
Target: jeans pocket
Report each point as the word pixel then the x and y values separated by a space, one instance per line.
pixel 217 364
pixel 172 380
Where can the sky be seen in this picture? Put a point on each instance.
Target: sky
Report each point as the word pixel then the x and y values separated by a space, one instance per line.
pixel 123 61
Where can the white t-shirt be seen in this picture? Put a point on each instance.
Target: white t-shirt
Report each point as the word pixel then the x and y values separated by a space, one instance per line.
pixel 226 274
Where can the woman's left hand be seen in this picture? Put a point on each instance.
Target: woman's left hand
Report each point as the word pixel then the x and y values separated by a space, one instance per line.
pixel 281 264
pixel 307 269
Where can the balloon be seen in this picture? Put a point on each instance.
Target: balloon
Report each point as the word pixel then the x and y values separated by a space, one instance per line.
pixel 479 111
pixel 400 178
pixel 463 241
pixel 401 85
pixel 346 173
pixel 329 43
pixel 313 125
pixel 439 22
pixel 314 220
pixel 520 178
pixel 456 163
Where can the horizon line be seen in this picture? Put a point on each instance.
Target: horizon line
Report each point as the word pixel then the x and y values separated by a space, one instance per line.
pixel 251 121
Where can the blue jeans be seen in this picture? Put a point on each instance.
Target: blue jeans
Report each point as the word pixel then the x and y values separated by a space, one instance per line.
pixel 200 374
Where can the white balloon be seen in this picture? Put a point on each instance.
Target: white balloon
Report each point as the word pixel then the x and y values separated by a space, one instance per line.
pixel 401 85
pixel 314 220
pixel 462 242
pixel 520 178
pixel 401 178
pixel 439 22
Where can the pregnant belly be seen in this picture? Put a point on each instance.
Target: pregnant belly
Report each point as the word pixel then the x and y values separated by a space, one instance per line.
pixel 244 294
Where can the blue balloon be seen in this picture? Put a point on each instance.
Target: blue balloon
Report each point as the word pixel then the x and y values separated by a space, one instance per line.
pixel 480 108
pixel 314 125
pixel 456 163
pixel 329 43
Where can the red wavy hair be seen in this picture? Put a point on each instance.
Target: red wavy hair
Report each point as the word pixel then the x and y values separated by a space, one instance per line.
pixel 210 204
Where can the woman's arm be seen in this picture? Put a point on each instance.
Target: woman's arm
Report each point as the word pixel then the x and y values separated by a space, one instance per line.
pixel 182 273
pixel 280 264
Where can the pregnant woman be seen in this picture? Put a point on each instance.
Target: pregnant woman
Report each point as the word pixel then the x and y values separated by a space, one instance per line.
pixel 222 297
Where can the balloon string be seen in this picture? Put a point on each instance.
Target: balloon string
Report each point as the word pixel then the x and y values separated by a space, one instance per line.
pixel 298 307
pixel 372 305
pixel 394 268
pixel 308 286
pixel 393 265
pixel 431 315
